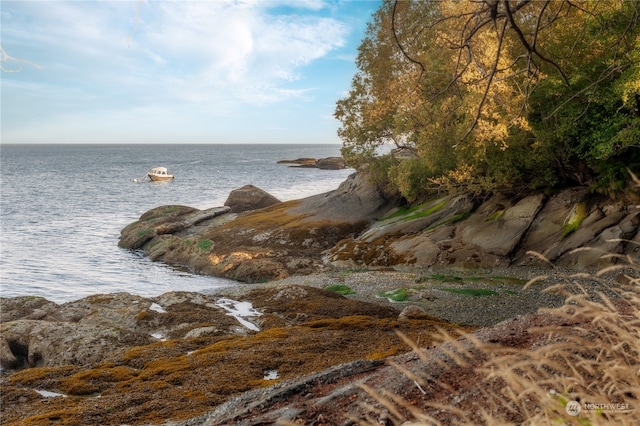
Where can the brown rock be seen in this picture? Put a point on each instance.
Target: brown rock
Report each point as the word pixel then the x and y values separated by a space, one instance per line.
pixel 248 198
pixel 331 163
pixel 412 312
pixel 300 162
pixel 263 244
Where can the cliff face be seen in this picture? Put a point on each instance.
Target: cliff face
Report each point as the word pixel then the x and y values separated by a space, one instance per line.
pixel 355 226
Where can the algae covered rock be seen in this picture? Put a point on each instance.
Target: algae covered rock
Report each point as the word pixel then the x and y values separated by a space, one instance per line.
pixel 272 242
pixel 193 351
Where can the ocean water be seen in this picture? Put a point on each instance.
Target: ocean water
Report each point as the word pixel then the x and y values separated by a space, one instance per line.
pixel 62 208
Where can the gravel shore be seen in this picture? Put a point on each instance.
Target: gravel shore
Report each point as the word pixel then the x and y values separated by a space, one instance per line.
pixel 477 299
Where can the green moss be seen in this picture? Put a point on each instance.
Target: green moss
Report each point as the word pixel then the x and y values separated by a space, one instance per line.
pixel 497 215
pixel 340 289
pixel 171 209
pixel 416 212
pixel 205 244
pixel 435 208
pixel 508 280
pixel 402 212
pixel 574 220
pixel 446 278
pixel 453 219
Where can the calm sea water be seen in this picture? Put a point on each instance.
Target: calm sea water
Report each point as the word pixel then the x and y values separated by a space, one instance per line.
pixel 62 208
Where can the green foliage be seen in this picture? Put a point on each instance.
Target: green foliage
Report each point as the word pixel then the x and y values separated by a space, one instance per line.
pixel 517 103
pixel 340 289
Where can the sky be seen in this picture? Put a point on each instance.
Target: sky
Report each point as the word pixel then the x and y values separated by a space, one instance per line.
pixel 179 71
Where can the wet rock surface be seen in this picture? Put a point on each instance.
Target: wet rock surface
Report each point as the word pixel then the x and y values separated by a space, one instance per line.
pixel 122 359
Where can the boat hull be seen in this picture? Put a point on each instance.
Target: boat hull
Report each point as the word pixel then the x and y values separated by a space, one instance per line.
pixel 157 178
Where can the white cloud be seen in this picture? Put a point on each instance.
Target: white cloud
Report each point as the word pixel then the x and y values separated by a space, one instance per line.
pixel 231 47
pixel 112 64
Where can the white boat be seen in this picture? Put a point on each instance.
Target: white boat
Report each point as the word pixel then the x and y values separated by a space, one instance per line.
pixel 159 174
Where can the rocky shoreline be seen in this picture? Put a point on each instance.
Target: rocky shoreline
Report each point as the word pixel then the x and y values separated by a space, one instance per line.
pixel 332 290
pixel 135 353
pixel 177 355
pixel 358 226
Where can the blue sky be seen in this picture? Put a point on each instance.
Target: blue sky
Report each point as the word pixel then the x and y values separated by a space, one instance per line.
pixel 185 71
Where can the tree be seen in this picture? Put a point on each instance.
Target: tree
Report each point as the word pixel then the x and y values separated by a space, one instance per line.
pixel 482 90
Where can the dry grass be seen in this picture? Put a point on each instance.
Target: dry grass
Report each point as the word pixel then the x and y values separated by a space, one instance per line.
pixel 585 370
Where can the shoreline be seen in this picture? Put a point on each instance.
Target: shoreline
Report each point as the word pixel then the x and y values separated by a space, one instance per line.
pixel 470 298
pixel 467 298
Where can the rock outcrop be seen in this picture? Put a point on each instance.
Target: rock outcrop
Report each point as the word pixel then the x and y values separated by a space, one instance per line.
pixel 572 228
pixel 175 356
pixel 301 354
pixel 270 243
pixel 357 226
pixel 329 163
pixel 286 353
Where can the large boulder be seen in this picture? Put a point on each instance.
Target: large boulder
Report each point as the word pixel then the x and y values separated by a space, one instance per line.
pixel 355 200
pixel 502 235
pixel 248 198
pixel 166 220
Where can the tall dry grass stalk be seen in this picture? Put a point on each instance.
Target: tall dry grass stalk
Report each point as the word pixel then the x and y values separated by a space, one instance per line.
pixel 584 369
